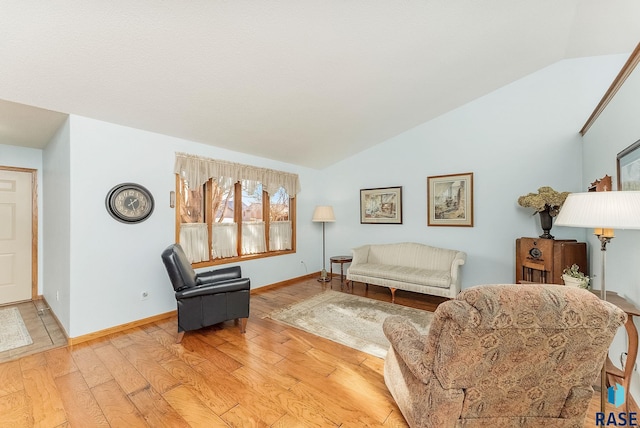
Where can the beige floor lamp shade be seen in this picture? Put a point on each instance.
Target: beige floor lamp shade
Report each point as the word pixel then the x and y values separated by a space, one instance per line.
pixel 604 212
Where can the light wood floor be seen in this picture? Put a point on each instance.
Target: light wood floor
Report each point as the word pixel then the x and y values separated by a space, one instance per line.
pixel 273 375
pixel 43 329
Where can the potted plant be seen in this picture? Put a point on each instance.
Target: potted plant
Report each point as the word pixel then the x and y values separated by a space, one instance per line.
pixel 546 203
pixel 574 278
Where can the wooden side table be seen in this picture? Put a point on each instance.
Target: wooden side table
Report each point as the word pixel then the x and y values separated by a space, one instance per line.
pixel 614 374
pixel 341 260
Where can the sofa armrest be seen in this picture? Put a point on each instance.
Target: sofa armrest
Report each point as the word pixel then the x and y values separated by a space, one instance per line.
pixel 360 255
pixel 408 344
pixel 458 261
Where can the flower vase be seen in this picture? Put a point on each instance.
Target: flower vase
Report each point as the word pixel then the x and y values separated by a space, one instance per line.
pixel 546 222
pixel 575 282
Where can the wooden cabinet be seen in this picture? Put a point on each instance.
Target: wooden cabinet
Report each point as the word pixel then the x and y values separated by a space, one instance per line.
pixel 542 260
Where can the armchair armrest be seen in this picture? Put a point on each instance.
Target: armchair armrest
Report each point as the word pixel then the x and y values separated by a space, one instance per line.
pixel 408 344
pixel 216 275
pixel 237 284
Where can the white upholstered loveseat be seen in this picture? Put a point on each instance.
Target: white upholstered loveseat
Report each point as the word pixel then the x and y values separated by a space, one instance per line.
pixel 408 266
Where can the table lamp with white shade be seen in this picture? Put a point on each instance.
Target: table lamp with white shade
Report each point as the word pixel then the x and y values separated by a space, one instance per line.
pixel 604 212
pixel 323 214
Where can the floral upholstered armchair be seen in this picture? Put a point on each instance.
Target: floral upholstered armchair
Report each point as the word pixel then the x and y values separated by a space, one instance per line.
pixel 502 356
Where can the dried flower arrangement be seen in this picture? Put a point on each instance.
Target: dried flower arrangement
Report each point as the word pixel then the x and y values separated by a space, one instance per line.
pixel 546 198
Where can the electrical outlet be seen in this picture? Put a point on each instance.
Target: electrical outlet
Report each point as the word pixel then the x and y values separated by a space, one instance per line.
pixel 144 295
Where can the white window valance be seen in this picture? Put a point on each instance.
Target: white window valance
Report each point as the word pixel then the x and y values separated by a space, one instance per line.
pixel 197 170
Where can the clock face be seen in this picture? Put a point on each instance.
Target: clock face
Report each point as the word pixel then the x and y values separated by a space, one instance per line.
pixel 129 203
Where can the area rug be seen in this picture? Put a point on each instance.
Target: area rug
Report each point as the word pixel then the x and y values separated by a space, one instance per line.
pixel 13 332
pixel 350 320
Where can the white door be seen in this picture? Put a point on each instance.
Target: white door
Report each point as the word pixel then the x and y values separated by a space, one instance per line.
pixel 15 236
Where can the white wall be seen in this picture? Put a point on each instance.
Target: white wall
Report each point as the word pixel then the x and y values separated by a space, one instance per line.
pixel 57 226
pixel 112 262
pixel 617 128
pixel 515 140
pixel 25 157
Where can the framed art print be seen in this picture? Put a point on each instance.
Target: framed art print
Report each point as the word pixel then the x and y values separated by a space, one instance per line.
pixel 628 163
pixel 381 205
pixel 450 200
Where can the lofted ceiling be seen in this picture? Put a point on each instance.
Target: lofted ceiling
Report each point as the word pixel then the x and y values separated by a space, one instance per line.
pixel 304 82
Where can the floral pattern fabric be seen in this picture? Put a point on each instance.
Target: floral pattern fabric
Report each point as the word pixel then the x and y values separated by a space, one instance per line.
pixel 502 356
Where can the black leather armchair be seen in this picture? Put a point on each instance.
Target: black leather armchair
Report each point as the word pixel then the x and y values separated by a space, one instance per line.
pixel 206 298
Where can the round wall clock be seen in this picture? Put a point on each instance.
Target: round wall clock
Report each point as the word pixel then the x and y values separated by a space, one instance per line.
pixel 129 203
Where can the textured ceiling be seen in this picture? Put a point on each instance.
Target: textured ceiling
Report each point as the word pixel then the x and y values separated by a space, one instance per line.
pixel 305 82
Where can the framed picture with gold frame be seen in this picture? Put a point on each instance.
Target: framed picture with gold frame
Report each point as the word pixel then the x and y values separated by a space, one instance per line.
pixel 450 200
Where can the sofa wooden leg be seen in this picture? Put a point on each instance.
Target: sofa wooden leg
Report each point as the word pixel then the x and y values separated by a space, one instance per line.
pixel 393 294
pixel 243 325
pixel 180 336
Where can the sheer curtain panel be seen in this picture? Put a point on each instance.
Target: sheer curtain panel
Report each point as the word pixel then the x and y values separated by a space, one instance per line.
pixel 223 240
pixel 253 241
pixel 280 235
pixel 194 239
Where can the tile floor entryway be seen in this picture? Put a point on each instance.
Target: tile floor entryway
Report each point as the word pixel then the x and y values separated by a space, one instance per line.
pixel 43 329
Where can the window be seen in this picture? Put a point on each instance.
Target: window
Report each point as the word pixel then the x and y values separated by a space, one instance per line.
pixel 280 234
pixel 191 204
pixel 248 214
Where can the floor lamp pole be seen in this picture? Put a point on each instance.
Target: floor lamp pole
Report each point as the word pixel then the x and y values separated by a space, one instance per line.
pixel 604 240
pixel 323 214
pixel 323 274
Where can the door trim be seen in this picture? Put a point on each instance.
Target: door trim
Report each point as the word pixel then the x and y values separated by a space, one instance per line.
pixel 34 225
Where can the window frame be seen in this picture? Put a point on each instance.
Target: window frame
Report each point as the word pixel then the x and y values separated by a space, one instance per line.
pixel 208 217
